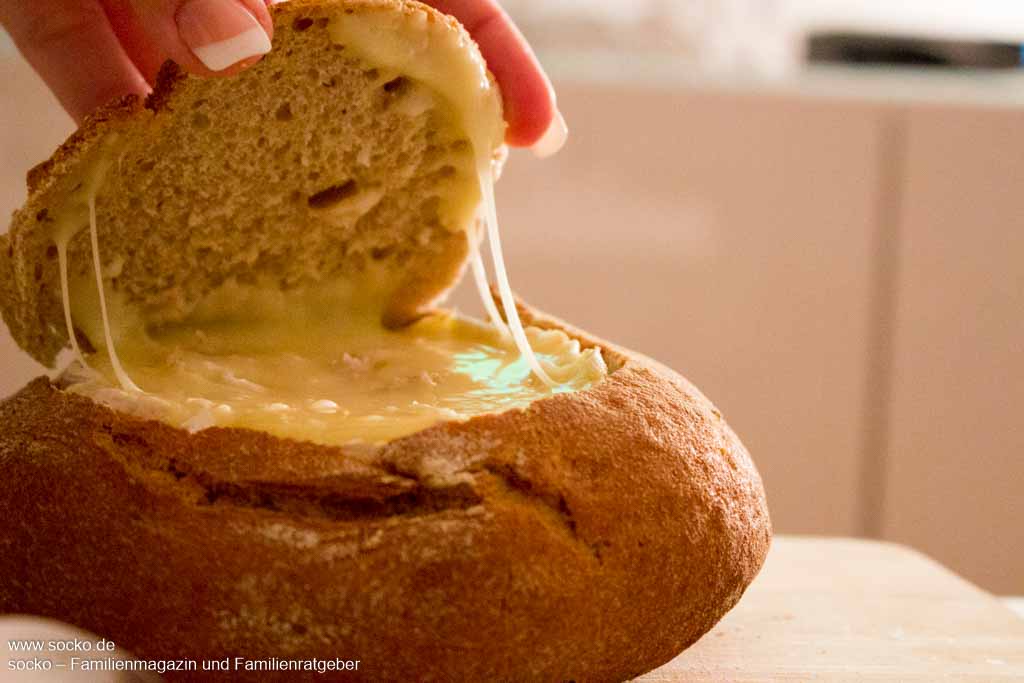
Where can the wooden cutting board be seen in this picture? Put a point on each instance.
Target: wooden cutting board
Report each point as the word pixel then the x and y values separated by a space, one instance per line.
pixel 850 610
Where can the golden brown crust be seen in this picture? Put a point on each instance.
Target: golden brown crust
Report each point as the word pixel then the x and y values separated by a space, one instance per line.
pixel 591 536
pixel 95 125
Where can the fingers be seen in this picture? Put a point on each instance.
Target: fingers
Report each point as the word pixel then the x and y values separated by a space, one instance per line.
pixel 90 53
pixel 71 45
pixel 134 38
pixel 530 108
pixel 205 37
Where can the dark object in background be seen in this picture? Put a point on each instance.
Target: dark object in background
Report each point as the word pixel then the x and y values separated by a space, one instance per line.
pixel 853 48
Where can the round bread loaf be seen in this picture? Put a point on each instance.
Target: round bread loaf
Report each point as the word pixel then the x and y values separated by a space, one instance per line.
pixel 592 536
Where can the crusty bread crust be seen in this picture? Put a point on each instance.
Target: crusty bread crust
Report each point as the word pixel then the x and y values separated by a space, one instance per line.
pixel 591 536
pixel 215 178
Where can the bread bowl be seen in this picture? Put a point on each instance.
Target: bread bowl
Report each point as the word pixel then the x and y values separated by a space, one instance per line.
pixel 590 532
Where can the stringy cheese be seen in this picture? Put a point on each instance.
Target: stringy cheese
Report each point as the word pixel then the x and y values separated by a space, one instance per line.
pixel 335 381
pixel 68 222
pixel 437 58
pixel 292 366
pixel 115 361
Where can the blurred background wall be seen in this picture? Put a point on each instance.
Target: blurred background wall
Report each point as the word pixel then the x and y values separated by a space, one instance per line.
pixel 831 247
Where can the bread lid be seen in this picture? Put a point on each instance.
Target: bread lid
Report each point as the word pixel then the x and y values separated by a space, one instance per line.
pixel 349 153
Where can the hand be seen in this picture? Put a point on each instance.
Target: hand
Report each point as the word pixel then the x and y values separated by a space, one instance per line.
pixel 92 51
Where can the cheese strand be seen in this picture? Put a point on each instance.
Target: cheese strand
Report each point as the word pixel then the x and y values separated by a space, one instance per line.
pixel 122 377
pixel 508 303
pixel 65 294
pixel 480 277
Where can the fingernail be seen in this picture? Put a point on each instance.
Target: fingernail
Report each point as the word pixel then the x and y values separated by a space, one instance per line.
pixel 553 139
pixel 221 32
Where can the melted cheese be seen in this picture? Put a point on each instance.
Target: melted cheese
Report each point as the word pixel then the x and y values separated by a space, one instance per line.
pixel 439 59
pixel 115 361
pixel 336 380
pixel 77 213
pixel 317 364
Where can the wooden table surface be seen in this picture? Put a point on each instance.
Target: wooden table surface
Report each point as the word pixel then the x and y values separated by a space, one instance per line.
pixel 848 610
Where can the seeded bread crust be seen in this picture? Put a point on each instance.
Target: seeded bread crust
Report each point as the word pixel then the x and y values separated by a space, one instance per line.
pixel 215 178
pixel 592 536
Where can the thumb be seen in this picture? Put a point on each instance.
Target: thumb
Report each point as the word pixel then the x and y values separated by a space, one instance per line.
pixel 207 36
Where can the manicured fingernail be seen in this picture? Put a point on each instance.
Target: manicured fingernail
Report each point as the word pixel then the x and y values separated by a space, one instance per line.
pixel 554 139
pixel 221 32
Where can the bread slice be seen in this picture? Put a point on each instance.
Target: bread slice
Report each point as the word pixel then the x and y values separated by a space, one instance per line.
pixel 591 537
pixel 306 168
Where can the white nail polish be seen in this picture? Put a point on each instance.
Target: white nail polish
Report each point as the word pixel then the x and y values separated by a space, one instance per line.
pixel 553 139
pixel 222 54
